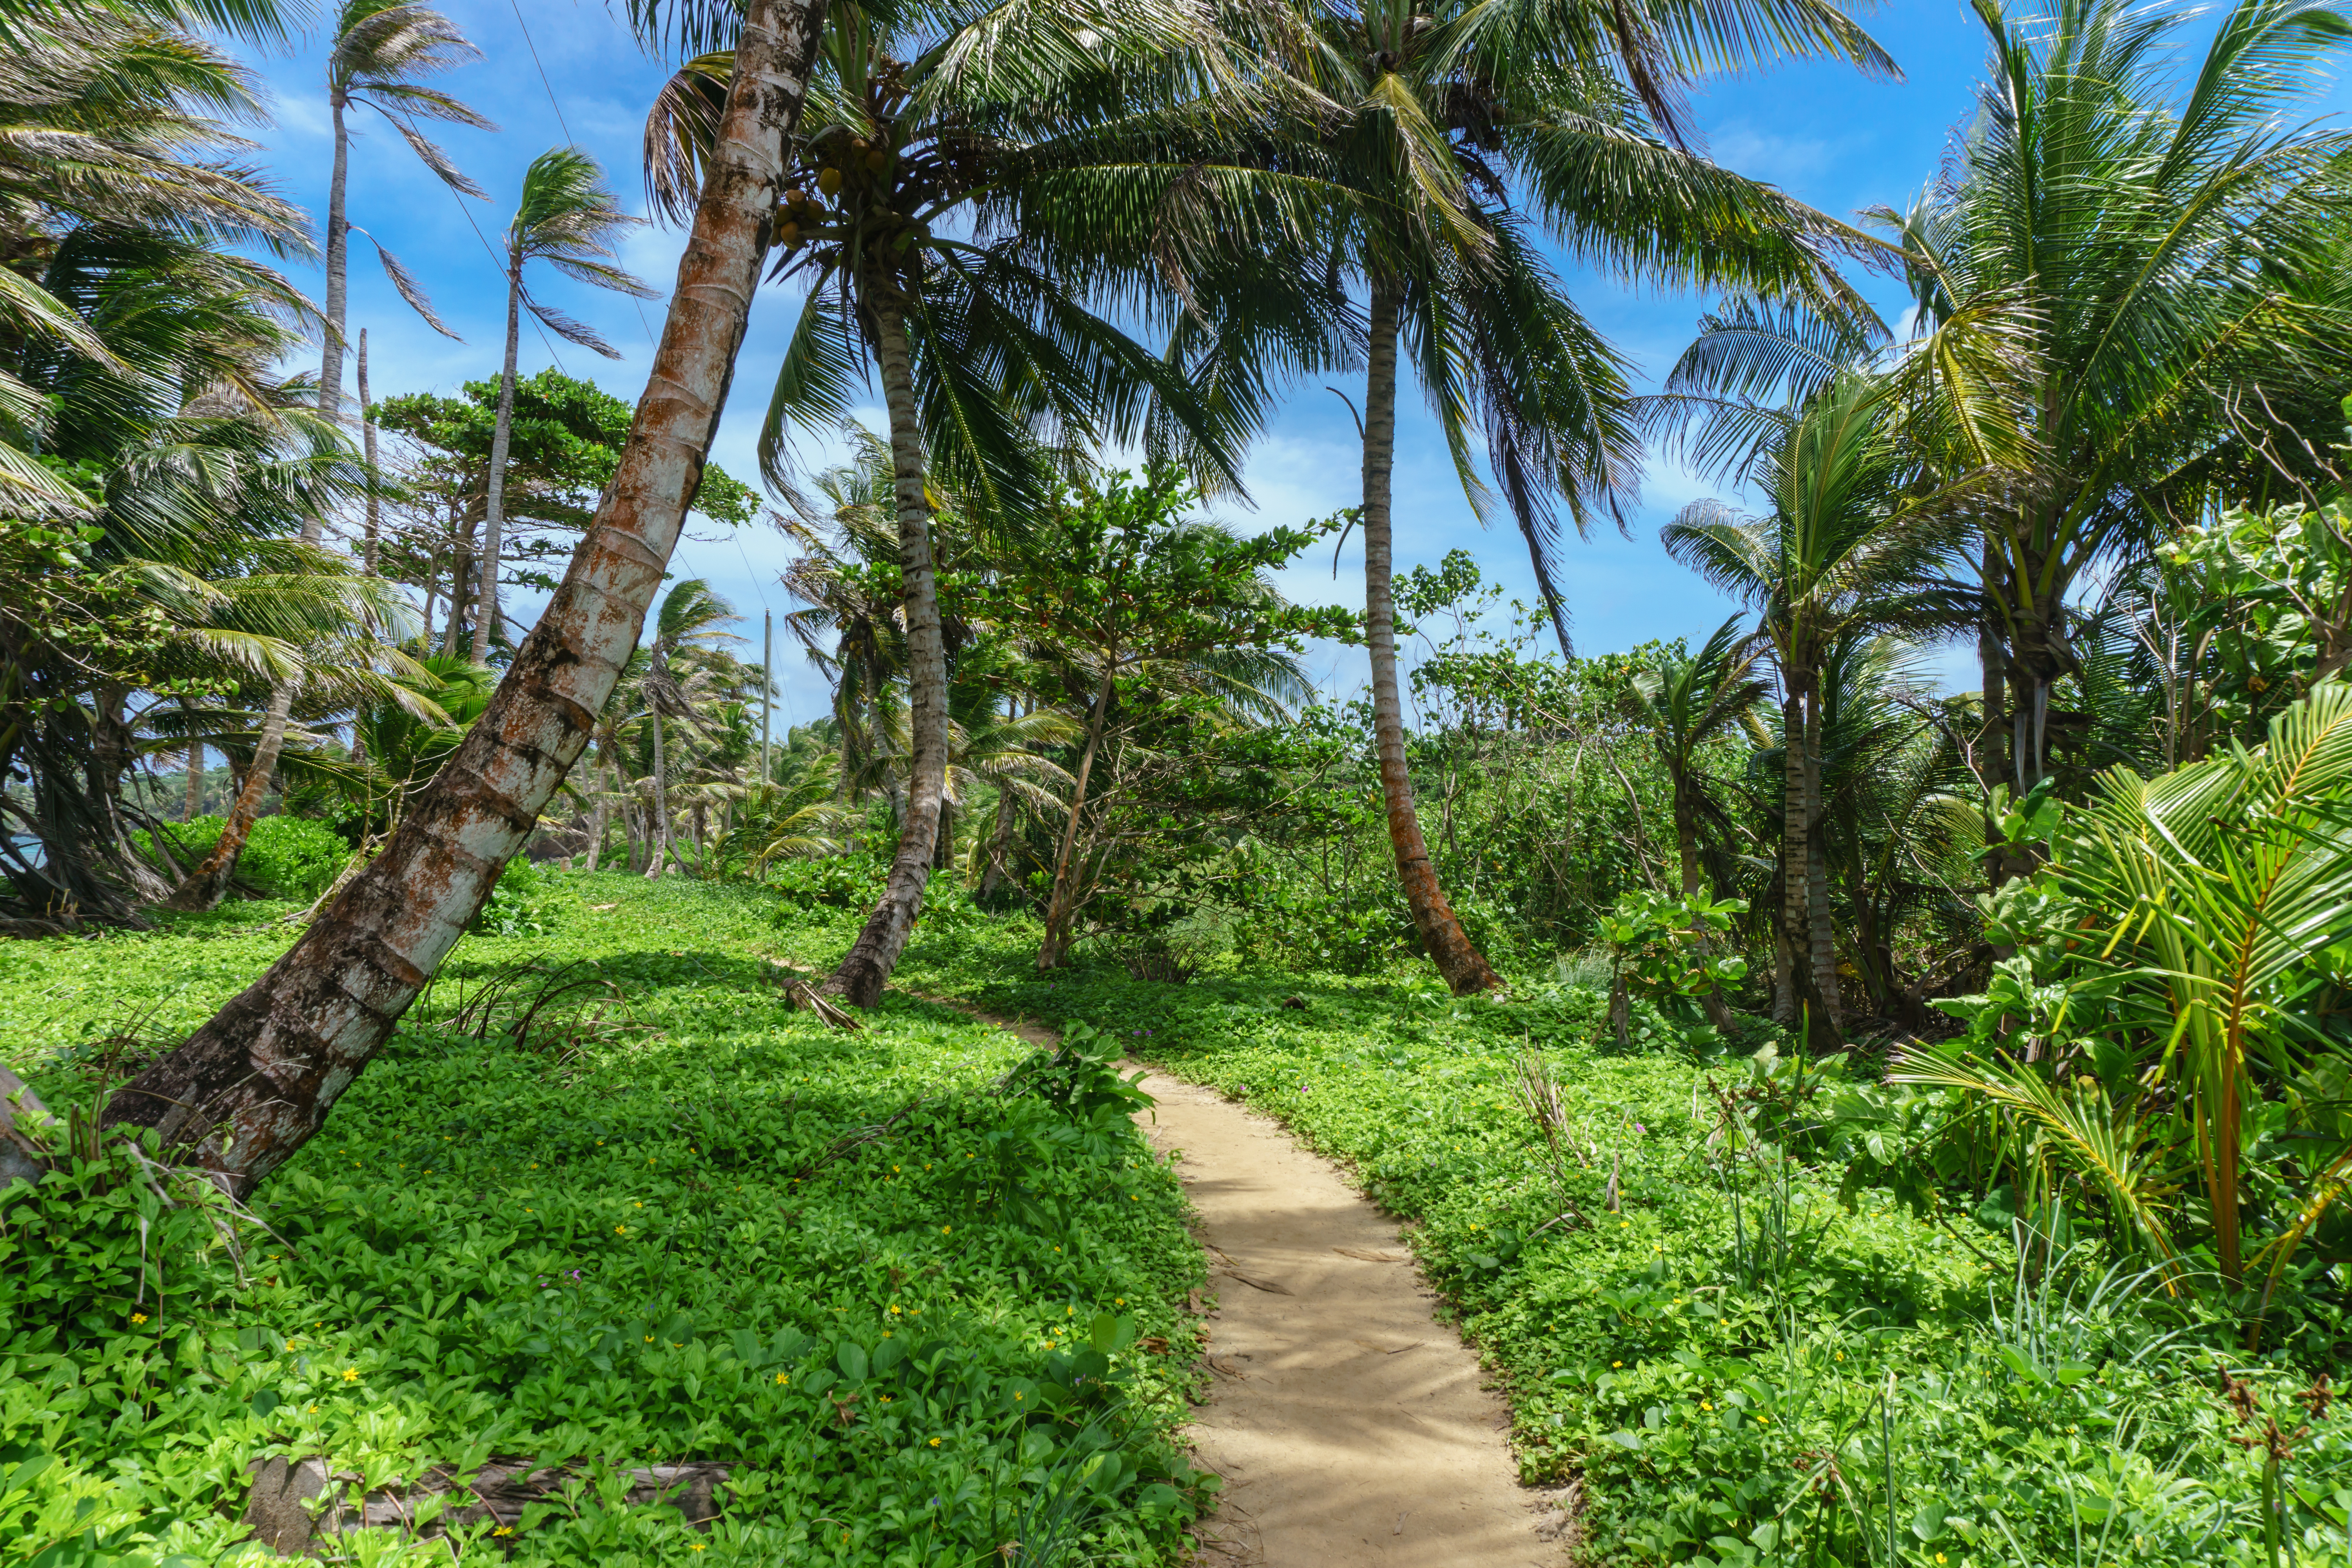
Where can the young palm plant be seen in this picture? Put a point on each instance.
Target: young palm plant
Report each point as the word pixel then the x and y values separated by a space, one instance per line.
pixel 925 132
pixel 1688 702
pixel 1853 532
pixel 567 218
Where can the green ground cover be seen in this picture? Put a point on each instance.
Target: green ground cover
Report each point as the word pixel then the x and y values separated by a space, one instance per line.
pixel 1729 1358
pixel 923 1312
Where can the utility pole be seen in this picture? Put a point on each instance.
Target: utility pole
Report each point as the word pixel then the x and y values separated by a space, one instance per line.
pixel 767 686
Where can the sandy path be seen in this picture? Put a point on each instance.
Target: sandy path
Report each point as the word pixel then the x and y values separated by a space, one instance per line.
pixel 1351 1428
pixel 1349 1425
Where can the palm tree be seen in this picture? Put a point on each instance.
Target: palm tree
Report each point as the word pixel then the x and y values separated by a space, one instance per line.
pixel 1687 702
pixel 568 220
pixel 692 620
pixel 116 127
pixel 927 121
pixel 1851 535
pixel 1433 112
pixel 380 52
pixel 267 1068
pixel 2165 252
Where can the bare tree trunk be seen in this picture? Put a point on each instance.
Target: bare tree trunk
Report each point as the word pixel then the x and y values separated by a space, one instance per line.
pixel 866 968
pixel 255 1082
pixel 1061 903
pixel 995 876
pixel 486 594
pixel 1457 958
pixel 195 782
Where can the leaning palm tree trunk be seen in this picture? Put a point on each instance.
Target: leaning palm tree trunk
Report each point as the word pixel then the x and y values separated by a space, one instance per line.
pixel 494 511
pixel 250 1086
pixel 866 968
pixel 1465 968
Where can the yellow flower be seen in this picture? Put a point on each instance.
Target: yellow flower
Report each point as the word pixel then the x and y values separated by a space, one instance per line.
pixel 350 1374
pixel 894 1311
pixel 780 1378
pixel 1763 1421
pixel 1119 1301
pixel 649 1339
pixel 313 1410
pixel 945 1228
pixel 641 1205
pixel 1840 1355
pixel 534 1164
pixel 697 1546
pixel 1702 1404
pixel 620 1230
pixel 503 1530
pixel 1018 1394
pixel 1616 1363
pixel 137 1316
pixel 935 1442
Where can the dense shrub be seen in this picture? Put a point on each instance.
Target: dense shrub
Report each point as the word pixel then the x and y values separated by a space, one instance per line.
pixel 284 857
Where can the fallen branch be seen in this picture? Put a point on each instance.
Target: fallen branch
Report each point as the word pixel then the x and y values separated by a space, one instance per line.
pixel 295 1507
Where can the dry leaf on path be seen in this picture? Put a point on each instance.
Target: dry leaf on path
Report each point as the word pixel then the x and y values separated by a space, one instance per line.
pixel 1271 1286
pixel 1370 1255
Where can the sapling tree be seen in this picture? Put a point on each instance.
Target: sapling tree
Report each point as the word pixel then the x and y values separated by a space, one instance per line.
pixel 1153 617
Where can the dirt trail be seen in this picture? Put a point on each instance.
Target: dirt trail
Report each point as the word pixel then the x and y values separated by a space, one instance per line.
pixel 1348 1425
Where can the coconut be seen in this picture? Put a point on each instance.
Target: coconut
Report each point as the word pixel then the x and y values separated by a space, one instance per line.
pixel 788 235
pixel 877 161
pixel 795 197
pixel 829 181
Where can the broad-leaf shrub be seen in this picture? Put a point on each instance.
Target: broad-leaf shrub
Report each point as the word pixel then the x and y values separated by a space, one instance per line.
pixel 284 857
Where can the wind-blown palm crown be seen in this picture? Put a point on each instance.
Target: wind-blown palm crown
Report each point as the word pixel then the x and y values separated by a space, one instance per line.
pixel 1854 530
pixel 568 219
pixel 379 56
pixel 922 132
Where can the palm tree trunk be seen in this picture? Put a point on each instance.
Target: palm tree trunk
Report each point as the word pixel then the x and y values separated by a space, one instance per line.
pixel 993 877
pixel 255 1082
pixel 195 781
pixel 494 511
pixel 598 820
pixel 1457 958
pixel 1792 849
pixel 1061 903
pixel 367 449
pixel 657 830
pixel 1818 924
pixel 866 968
pixel 339 245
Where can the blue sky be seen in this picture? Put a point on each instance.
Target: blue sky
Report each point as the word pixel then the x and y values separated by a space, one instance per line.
pixel 1829 137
